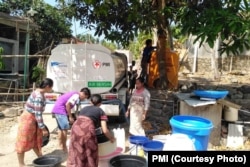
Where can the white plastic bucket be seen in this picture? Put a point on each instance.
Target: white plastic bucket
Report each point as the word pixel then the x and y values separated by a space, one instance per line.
pixel 106 148
pixel 180 142
pixel 230 114
pixel 161 138
pixel 119 134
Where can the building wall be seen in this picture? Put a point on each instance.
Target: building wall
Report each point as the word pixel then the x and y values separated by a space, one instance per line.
pixel 236 63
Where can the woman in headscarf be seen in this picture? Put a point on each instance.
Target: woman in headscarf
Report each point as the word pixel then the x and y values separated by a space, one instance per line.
pixel 31 127
pixel 83 147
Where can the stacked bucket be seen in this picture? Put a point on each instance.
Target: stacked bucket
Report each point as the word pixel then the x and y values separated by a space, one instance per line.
pixel 135 159
pixel 198 129
pixel 188 133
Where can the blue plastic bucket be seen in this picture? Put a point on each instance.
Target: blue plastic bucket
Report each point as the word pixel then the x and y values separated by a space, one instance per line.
pixel 196 128
pixel 153 146
pixel 138 139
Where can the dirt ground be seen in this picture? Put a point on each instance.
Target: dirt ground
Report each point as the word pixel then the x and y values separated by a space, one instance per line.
pixel 7 153
pixel 8 131
pixel 8 126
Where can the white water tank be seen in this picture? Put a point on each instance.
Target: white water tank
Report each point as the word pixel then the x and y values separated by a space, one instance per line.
pixel 74 66
pixel 128 53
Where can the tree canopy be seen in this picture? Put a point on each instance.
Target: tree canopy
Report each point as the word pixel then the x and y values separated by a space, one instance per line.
pixel 52 22
pixel 227 20
pixel 121 21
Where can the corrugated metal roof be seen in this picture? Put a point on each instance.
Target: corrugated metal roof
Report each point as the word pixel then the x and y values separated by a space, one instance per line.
pixel 235 136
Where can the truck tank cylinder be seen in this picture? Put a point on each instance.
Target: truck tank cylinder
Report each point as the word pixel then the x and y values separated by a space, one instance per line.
pixel 118 86
pixel 74 66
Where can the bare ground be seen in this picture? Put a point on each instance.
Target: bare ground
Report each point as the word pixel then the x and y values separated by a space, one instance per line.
pixel 8 131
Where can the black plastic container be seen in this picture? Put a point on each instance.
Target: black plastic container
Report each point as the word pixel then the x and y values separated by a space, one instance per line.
pixel 127 161
pixel 46 138
pixel 102 138
pixel 48 161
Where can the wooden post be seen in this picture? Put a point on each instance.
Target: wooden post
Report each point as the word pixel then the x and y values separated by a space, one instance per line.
pixel 34 86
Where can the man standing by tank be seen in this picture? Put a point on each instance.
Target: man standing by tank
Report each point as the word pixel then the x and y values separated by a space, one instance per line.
pixel 63 115
pixel 146 55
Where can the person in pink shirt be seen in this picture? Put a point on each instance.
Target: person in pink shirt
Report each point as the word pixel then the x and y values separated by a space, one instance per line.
pixel 63 115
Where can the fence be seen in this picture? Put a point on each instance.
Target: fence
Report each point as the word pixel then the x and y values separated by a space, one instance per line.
pixel 12 81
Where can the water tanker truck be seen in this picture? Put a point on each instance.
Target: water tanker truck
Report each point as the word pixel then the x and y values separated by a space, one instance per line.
pixel 74 66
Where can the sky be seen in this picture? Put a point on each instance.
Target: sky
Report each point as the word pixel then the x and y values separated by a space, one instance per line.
pixel 75 24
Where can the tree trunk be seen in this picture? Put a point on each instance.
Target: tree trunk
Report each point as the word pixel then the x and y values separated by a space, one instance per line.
pixel 161 46
pixel 161 52
pixel 170 37
pixel 215 56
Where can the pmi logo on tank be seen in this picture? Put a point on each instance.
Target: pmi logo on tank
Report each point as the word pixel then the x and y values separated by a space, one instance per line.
pixel 97 64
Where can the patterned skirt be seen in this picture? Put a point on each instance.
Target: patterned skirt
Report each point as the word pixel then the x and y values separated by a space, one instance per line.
pixel 29 136
pixel 135 127
pixel 83 147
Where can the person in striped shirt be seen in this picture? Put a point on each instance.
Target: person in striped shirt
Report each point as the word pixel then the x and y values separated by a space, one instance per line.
pixel 31 127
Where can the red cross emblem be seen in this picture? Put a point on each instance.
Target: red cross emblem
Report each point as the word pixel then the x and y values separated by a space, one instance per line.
pixel 97 64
